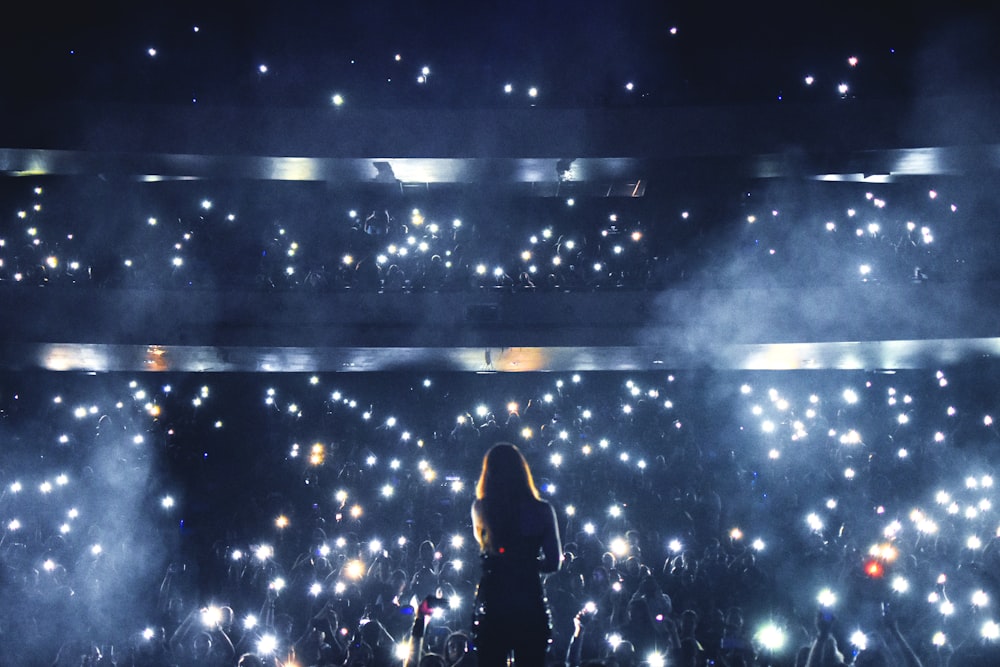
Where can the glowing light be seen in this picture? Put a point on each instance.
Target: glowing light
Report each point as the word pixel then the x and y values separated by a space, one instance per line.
pixel 939 639
pixel 267 644
pixel 317 454
pixel 167 502
pixel 354 569
pixel 403 650
pixel 852 437
pixel 337 99
pixel 980 598
pixel 619 547
pixel 675 546
pixel 990 630
pixel 859 640
pixel 211 616
pixel 900 585
pixel 655 659
pixel 758 544
pixel 263 552
pixel 826 598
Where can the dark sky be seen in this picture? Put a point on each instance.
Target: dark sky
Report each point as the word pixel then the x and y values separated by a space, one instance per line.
pixel 576 54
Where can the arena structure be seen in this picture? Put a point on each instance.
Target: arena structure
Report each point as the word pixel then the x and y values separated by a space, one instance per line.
pixel 252 355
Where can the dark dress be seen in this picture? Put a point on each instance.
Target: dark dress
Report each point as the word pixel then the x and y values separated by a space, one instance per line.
pixel 510 612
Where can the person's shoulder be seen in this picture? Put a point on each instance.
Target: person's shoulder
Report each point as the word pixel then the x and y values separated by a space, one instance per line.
pixel 544 503
pixel 543 507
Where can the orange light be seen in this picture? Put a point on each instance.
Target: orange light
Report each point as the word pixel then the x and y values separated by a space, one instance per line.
pixel 317 454
pixel 874 569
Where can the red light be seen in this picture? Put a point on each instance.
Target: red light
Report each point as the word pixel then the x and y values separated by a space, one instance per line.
pixel 874 569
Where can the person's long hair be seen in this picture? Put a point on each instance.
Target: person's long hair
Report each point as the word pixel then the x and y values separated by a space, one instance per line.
pixel 505 483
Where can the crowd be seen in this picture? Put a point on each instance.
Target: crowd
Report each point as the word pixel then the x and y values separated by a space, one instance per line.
pixel 288 236
pixel 815 519
pixel 706 519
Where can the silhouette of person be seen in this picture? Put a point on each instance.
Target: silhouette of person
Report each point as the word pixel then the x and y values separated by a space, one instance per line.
pixel 519 539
